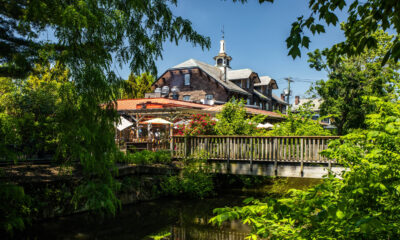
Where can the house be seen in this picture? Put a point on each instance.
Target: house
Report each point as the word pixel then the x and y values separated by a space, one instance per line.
pixel 314 106
pixel 199 82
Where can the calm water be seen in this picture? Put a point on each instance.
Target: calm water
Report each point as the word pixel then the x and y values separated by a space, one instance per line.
pixel 184 219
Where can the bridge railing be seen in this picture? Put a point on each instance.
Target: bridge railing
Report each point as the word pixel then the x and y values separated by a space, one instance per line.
pixel 249 148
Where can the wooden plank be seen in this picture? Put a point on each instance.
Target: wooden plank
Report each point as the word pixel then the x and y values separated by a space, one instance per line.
pixel 301 156
pixel 171 147
pixel 251 153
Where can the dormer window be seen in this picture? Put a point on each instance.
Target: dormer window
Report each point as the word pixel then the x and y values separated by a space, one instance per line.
pixel 186 97
pixel 187 79
pixel 209 97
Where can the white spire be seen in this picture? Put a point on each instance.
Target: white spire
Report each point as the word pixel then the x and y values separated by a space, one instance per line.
pixel 222 46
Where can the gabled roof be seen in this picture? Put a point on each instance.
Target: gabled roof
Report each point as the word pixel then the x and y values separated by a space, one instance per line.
pixel 248 110
pixel 213 72
pixel 239 74
pixel 267 80
pixel 131 104
pixel 260 95
pixel 279 100
pixel 315 103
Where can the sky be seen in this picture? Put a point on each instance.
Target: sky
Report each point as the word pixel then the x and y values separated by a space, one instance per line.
pixel 255 37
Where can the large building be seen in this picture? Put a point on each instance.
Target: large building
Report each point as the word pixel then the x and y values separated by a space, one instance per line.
pixel 199 82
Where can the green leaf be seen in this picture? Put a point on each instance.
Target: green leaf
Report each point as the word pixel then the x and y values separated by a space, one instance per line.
pixel 340 214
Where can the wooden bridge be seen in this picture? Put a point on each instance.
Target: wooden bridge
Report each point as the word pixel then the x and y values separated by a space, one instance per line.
pixel 269 156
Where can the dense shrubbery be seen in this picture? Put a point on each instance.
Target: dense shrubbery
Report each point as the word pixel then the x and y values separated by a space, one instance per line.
pixel 14 208
pixel 362 205
pixel 233 120
pixel 299 124
pixel 147 157
pixel 200 124
pixel 195 181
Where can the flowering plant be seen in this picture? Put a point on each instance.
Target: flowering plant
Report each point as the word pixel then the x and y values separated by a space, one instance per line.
pixel 200 124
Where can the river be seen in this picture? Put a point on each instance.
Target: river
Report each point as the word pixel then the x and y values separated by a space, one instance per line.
pixel 181 219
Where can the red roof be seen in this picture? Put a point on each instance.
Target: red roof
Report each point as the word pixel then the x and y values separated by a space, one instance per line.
pixel 131 104
pixel 248 110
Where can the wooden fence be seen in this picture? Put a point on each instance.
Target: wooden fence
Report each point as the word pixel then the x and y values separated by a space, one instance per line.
pixel 248 148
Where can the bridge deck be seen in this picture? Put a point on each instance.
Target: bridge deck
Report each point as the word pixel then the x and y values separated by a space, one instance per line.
pixel 260 155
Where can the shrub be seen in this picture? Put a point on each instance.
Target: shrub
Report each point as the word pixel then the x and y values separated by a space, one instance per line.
pixel 195 181
pixel 200 124
pixel 147 157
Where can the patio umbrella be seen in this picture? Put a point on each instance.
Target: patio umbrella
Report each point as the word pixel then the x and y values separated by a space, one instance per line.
pixel 266 125
pixel 181 122
pixel 123 124
pixel 157 121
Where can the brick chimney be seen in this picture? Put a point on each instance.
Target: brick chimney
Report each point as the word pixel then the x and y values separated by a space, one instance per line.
pixel 283 97
pixel 296 100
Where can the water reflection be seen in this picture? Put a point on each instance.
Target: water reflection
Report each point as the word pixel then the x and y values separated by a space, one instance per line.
pixel 184 219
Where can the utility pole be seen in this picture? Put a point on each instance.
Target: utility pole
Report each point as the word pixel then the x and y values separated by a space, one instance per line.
pixel 288 93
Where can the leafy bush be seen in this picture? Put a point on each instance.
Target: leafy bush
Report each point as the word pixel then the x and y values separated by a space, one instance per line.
pixel 14 208
pixel 299 124
pixel 233 120
pixel 200 124
pixel 364 204
pixel 195 181
pixel 147 157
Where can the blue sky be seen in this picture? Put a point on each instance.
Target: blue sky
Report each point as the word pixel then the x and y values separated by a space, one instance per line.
pixel 255 38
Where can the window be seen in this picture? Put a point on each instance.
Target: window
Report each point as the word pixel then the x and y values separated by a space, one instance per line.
pixel 187 79
pixel 186 97
pixel 239 83
pixel 261 107
pixel 209 97
pixel 248 83
pixel 219 61
pixel 248 101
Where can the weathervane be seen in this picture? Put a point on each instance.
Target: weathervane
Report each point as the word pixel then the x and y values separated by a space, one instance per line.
pixel 223 32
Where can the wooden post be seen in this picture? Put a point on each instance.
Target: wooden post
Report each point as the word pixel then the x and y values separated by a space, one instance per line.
pixel 186 147
pixel 275 145
pixel 228 166
pixel 251 154
pixel 301 157
pixel 171 146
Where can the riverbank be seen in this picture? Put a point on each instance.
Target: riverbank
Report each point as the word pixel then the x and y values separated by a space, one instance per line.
pixel 181 218
pixel 52 197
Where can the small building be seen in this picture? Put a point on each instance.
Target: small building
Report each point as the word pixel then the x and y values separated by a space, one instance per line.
pixel 315 104
pixel 199 82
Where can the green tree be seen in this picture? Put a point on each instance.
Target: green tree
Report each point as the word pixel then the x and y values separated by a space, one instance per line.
pixel 89 37
pixel 233 120
pixel 299 124
pixel 364 204
pixel 350 78
pixel 29 109
pixel 137 86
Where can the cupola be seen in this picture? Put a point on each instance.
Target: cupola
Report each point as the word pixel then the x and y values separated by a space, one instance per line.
pixel 222 60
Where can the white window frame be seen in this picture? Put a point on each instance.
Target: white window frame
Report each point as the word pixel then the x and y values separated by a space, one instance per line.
pixel 187 79
pixel 186 96
pixel 207 96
